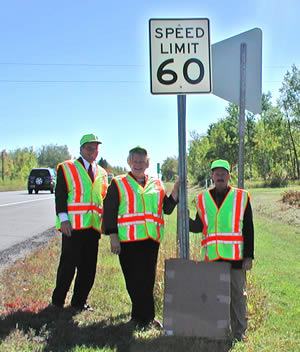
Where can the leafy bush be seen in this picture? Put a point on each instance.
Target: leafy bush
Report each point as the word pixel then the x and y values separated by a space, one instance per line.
pixel 277 182
pixel 291 197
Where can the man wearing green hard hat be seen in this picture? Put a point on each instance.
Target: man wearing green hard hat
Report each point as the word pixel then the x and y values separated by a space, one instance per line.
pixel 79 193
pixel 134 210
pixel 224 216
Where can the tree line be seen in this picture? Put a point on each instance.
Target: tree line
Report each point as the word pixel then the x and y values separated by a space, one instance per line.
pixel 272 140
pixel 16 164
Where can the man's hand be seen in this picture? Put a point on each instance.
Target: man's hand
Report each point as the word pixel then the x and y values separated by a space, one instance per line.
pixel 175 190
pixel 247 263
pixel 66 228
pixel 115 246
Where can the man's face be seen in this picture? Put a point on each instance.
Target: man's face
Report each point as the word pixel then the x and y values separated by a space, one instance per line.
pixel 89 151
pixel 138 164
pixel 220 177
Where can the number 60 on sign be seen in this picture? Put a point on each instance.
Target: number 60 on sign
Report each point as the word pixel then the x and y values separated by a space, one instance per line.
pixel 180 56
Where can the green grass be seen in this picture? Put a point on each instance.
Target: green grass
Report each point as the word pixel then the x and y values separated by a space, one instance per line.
pixel 28 324
pixel 279 268
pixel 275 278
pixel 12 185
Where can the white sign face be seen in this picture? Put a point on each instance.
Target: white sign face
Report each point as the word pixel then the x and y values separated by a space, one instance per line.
pixel 180 56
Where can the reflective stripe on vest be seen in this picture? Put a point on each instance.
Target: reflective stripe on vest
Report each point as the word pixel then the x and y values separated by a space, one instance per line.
pixel 85 198
pixel 140 210
pixel 222 228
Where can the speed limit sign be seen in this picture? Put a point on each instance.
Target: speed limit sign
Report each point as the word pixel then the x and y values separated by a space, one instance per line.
pixel 180 56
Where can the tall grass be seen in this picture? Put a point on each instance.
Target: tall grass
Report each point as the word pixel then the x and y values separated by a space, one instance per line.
pixel 12 185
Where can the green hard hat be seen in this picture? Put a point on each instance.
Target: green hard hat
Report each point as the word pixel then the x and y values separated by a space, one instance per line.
pixel 220 163
pixel 138 147
pixel 89 138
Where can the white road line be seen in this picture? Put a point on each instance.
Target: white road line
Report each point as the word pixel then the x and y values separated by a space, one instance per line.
pixel 25 201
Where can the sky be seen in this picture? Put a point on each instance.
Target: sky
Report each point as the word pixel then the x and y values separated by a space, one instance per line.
pixel 71 67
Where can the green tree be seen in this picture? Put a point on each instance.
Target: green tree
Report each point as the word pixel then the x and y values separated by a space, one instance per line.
pixel 223 137
pixel 51 155
pixel 250 126
pixel 115 170
pixel 118 170
pixel 289 102
pixel 169 169
pixel 271 155
pixel 103 163
pixel 20 162
pixel 198 164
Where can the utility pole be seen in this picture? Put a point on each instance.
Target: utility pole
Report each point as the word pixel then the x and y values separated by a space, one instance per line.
pixel 2 156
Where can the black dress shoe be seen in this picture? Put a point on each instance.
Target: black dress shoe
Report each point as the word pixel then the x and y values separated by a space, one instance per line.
pixel 87 307
pixel 157 324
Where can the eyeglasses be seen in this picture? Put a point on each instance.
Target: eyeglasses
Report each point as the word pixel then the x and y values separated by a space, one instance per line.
pixel 91 149
pixel 220 174
pixel 138 162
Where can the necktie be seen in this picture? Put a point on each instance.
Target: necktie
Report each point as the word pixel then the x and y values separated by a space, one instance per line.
pixel 90 172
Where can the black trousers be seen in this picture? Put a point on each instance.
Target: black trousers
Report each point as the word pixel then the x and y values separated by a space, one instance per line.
pixel 138 262
pixel 79 252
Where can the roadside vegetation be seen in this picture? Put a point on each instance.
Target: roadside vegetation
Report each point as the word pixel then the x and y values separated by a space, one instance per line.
pixel 13 185
pixel 15 165
pixel 28 324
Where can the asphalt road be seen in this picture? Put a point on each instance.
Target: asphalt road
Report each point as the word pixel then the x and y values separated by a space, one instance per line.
pixel 27 221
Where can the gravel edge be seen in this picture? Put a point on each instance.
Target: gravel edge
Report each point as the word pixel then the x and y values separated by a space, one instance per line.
pixel 10 255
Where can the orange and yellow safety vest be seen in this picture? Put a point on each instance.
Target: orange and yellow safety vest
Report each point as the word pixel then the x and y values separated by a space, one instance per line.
pixel 222 227
pixel 140 214
pixel 85 198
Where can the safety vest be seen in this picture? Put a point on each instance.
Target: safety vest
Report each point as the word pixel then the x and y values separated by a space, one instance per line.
pixel 222 227
pixel 140 214
pixel 85 198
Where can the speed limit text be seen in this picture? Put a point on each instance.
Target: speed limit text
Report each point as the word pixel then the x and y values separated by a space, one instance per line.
pixel 179 33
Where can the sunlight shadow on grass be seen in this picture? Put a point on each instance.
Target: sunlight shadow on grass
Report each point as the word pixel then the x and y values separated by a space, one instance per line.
pixel 56 330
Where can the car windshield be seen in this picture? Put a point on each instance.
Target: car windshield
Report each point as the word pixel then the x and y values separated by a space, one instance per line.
pixel 40 173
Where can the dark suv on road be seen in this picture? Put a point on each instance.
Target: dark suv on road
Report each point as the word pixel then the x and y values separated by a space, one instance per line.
pixel 41 179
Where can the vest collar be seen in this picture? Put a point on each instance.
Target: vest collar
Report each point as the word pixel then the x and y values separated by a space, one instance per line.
pixel 142 184
pixel 86 164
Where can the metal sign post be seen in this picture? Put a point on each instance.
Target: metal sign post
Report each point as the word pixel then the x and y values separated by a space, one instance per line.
pixel 241 171
pixel 183 219
pixel 180 64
